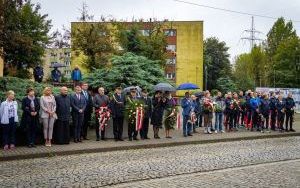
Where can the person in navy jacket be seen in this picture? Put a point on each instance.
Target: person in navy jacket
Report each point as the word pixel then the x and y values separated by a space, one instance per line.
pixel 265 110
pixel 289 105
pixel 31 108
pixel 273 112
pixel 187 106
pixel 254 105
pixel 280 108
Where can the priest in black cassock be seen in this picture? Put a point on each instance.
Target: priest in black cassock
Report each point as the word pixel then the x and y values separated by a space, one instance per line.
pixel 62 125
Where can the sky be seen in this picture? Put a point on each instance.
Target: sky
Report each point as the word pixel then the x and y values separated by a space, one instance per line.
pixel 228 27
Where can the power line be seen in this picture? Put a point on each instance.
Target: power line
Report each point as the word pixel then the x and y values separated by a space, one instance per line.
pixel 252 31
pixel 231 11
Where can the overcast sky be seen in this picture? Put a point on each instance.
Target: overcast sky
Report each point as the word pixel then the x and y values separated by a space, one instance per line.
pixel 226 26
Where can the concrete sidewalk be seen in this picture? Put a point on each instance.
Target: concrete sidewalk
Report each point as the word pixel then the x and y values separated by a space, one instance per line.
pixel 91 145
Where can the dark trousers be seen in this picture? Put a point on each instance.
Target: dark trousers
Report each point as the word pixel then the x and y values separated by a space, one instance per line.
pixel 235 118
pixel 289 116
pixel 280 120
pixel 102 132
pixel 86 124
pixel 242 116
pixel 132 133
pixel 254 117
pixel 199 120
pixel 249 118
pixel 118 127
pixel 31 128
pixel 9 132
pixel 266 122
pixel 229 120
pixel 77 122
pixel 273 119
pixel 145 128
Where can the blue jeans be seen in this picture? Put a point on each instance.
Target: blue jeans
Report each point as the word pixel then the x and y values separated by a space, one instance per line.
pixel 219 121
pixel 9 132
pixel 187 127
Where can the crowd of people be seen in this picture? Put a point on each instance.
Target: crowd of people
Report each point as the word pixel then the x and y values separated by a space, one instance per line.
pixel 252 110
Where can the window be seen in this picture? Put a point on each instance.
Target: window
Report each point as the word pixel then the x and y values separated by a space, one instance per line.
pixel 170 32
pixel 145 32
pixel 171 61
pixel 170 75
pixel 67 63
pixel 171 47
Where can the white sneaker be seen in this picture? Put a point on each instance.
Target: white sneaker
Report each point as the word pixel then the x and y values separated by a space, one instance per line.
pixel 222 131
pixel 216 131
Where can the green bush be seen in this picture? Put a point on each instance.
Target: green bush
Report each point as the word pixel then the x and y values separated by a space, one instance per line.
pixel 19 86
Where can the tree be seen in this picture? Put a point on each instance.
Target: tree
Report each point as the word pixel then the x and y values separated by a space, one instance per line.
pixel 23 36
pixel 280 31
pixel 127 70
pixel 151 43
pixel 287 63
pixel 251 69
pixel 95 40
pixel 225 84
pixel 216 61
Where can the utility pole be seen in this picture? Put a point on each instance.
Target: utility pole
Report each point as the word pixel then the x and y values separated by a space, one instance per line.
pixel 252 34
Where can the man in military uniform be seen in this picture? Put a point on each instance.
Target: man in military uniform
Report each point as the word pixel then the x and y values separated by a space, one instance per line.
pixel 289 115
pixel 132 132
pixel 117 108
pixel 148 112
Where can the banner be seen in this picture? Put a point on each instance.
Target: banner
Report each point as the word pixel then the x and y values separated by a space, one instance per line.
pixel 284 91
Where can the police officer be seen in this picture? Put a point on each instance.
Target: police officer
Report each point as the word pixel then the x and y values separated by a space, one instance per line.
pixel 289 106
pixel 280 108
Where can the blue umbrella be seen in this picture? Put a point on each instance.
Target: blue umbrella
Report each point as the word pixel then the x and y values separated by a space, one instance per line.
pixel 187 86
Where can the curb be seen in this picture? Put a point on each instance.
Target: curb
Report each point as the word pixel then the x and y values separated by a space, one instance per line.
pixel 145 146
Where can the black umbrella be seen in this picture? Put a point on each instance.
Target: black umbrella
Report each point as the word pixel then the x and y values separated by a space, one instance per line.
pixel 57 65
pixel 127 89
pixel 164 87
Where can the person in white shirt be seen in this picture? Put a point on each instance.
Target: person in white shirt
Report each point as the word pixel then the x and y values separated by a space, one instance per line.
pixel 9 119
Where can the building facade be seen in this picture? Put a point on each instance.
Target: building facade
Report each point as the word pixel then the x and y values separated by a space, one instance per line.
pixel 184 48
pixel 57 55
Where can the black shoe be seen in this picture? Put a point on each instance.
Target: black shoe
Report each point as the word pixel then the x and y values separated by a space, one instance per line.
pixel 103 139
pixel 98 139
pixel 190 135
pixel 75 141
pixel 147 138
pixel 116 140
pixel 168 137
pixel 120 139
pixel 135 138
pixel 130 139
pixel 292 130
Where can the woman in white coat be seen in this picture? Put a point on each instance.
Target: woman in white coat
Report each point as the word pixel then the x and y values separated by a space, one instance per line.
pixel 9 119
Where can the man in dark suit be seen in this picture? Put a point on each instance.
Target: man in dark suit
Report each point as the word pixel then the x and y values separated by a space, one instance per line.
pixel 78 104
pixel 117 108
pixel 88 110
pixel 148 112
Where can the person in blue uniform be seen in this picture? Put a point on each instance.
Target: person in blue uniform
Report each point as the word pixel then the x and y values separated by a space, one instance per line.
pixel 280 108
pixel 289 114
